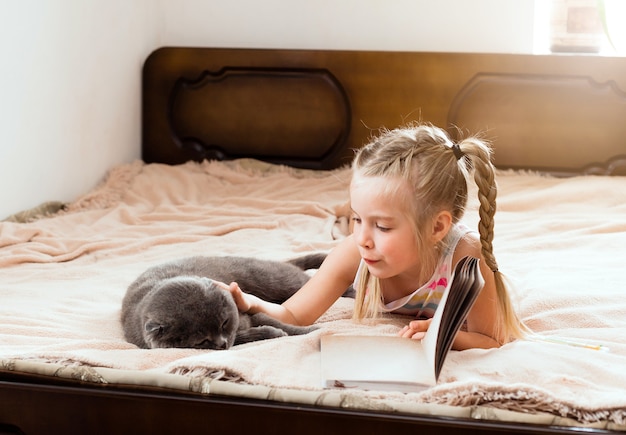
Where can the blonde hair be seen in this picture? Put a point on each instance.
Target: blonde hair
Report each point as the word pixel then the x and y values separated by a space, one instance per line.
pixel 437 170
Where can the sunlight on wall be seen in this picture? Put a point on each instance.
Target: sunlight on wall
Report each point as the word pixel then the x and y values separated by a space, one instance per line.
pixel 493 26
pixel 541 33
pixel 615 15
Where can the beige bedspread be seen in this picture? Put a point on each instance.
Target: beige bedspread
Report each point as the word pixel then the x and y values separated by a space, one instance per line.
pixel 562 242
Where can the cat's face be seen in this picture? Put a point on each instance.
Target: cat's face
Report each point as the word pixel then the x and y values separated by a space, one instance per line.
pixel 190 312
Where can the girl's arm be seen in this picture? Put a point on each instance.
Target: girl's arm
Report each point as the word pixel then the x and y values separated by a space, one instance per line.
pixel 482 320
pixel 303 308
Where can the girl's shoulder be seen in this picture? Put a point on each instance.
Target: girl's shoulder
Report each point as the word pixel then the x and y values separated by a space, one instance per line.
pixel 468 245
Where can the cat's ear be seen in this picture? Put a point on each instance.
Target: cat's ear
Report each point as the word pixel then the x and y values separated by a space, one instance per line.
pixel 153 328
pixel 208 282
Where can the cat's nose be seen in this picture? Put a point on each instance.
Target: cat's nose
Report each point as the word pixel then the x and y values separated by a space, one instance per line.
pixel 221 344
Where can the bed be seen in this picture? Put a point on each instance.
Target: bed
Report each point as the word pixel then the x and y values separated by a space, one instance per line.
pixel 244 152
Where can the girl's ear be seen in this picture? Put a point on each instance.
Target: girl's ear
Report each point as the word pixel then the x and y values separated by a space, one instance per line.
pixel 441 225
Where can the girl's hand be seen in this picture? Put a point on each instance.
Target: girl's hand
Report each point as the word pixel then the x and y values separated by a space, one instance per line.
pixel 416 329
pixel 242 299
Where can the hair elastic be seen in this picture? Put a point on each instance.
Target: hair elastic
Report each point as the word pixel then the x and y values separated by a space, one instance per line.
pixel 456 149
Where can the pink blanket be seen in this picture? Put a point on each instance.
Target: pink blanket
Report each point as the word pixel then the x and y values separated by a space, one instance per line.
pixel 561 242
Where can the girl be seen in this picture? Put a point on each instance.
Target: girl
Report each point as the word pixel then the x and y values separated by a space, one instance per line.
pixel 408 194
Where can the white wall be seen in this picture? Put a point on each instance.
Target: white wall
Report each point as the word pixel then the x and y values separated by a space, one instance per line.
pixel 70 76
pixel 69 86
pixel 416 25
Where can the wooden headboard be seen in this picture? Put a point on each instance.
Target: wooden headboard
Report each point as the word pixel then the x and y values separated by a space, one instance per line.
pixel 311 108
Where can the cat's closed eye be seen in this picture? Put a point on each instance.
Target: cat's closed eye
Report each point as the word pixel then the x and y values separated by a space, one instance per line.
pixel 154 328
pixel 204 344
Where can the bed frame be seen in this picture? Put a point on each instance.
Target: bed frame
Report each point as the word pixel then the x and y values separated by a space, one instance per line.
pixel 310 109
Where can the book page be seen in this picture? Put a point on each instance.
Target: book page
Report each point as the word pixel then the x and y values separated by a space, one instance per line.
pixel 374 362
pixel 429 342
pixel 465 288
pixel 455 303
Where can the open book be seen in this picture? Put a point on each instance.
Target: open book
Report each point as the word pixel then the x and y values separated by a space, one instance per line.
pixel 402 364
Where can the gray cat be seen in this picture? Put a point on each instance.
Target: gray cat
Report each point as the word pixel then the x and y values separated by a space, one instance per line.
pixel 177 304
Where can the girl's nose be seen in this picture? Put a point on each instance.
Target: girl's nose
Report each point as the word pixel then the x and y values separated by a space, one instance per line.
pixel 362 237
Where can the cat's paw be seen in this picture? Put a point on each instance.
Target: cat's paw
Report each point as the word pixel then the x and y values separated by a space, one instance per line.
pixel 302 330
pixel 256 333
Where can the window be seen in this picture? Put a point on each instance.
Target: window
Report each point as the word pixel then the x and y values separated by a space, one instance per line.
pixel 580 26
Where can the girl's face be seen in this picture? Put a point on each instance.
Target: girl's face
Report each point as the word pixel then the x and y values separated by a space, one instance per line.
pixel 383 230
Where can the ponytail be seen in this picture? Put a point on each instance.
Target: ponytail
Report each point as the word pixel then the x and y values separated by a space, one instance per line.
pixel 479 155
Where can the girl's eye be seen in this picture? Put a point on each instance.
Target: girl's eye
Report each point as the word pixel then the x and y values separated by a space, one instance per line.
pixel 356 220
pixel 383 229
